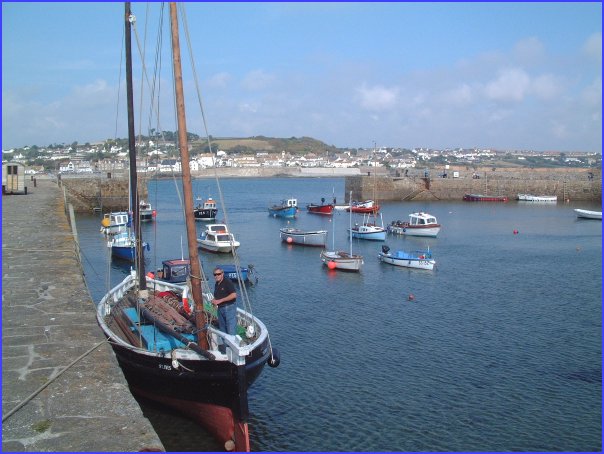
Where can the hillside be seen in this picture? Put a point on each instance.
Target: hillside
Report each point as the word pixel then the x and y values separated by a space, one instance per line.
pixel 293 145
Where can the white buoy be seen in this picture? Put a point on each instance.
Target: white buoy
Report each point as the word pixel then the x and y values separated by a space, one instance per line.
pixel 229 445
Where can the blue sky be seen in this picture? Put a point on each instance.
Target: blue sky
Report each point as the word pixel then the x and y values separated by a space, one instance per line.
pixel 525 76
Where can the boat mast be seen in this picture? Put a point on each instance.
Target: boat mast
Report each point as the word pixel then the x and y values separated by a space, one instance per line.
pixel 200 317
pixel 350 220
pixel 142 281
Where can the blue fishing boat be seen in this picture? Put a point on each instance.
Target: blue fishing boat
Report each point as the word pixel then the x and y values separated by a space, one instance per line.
pixel 287 209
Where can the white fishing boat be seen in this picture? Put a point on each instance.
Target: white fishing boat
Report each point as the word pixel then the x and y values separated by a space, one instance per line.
pixel 217 238
pixel 419 224
pixel 304 237
pixel 114 222
pixel 587 214
pixel 146 211
pixel 415 259
pixel 537 198
pixel 369 230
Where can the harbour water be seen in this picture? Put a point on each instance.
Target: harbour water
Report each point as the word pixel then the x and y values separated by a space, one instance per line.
pixel 498 350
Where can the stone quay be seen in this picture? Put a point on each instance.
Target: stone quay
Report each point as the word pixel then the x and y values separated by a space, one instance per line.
pixel 62 389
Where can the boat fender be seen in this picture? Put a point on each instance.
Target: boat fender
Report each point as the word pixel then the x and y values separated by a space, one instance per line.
pixel 185 301
pixel 404 229
pixel 275 359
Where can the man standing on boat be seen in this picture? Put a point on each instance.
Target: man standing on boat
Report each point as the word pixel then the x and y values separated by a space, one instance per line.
pixel 225 299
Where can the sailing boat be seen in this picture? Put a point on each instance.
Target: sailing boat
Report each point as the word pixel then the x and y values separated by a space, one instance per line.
pixel 166 343
pixel 369 230
pixel 339 259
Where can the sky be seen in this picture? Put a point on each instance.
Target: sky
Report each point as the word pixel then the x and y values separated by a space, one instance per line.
pixel 503 76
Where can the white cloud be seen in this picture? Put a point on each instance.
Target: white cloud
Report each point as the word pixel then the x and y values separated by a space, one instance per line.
pixel 219 80
pixel 511 85
pixel 257 80
pixel 593 46
pixel 592 94
pixel 546 86
pixel 529 50
pixel 461 95
pixel 377 98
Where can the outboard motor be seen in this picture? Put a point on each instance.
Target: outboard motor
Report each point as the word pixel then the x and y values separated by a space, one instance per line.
pixel 385 249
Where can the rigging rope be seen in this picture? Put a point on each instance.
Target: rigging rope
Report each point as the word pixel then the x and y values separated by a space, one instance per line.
pixel 245 297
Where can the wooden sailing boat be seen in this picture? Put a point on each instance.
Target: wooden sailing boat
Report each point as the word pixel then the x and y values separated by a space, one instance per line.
pixel 341 260
pixel 165 343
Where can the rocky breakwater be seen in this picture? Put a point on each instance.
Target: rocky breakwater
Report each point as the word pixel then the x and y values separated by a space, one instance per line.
pixel 566 184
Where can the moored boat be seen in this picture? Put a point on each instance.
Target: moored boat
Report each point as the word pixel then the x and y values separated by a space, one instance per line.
pixel 537 198
pixel 419 224
pixel 323 208
pixel 484 198
pixel 286 209
pixel 342 260
pixel 163 333
pixel 145 211
pixel 368 206
pixel 415 259
pixel 115 222
pixel 369 230
pixel 304 237
pixel 205 211
pixel 217 238
pixel 587 214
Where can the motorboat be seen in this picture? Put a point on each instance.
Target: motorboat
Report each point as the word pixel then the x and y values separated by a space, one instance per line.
pixel 419 224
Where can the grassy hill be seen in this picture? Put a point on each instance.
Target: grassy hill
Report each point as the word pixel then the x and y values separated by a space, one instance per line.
pixel 293 145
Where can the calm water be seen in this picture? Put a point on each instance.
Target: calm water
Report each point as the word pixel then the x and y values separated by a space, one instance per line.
pixel 500 350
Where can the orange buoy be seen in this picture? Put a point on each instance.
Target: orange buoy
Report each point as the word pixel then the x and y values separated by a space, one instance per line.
pixel 515 231
pixel 411 297
pixel 290 239
pixel 331 265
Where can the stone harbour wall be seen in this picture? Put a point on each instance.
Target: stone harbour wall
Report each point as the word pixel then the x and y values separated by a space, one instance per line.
pixel 579 184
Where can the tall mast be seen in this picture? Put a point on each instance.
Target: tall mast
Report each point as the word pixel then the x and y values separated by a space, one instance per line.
pixel 142 282
pixel 200 318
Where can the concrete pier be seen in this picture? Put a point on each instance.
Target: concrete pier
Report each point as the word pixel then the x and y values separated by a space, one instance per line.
pixel 58 371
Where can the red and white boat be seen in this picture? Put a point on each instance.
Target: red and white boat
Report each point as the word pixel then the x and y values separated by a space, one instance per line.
pixel 324 208
pixel 419 224
pixel 368 206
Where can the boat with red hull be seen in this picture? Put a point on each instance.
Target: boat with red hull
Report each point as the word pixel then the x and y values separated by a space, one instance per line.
pixel 167 344
pixel 323 208
pixel 484 198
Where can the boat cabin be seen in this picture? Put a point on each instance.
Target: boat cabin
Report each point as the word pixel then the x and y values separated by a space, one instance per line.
pixel 421 219
pixel 175 271
pixel 115 221
pixel 290 203
pixel 217 228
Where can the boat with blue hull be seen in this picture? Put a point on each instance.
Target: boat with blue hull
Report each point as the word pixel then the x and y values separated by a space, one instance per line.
pixel 286 209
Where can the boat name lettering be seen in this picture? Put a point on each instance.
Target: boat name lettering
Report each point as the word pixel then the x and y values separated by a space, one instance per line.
pixel 165 366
